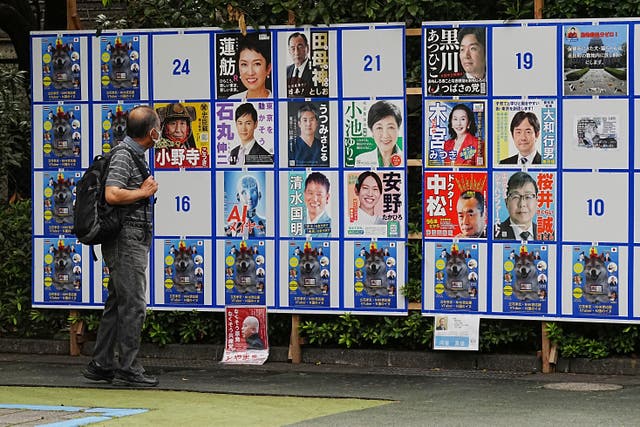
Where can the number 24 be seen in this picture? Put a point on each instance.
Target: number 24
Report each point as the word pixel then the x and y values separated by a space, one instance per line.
pixel 181 67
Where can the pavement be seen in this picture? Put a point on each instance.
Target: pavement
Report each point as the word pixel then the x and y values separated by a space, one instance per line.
pixel 422 395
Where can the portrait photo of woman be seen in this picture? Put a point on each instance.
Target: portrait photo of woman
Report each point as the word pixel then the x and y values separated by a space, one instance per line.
pixel 253 61
pixel 462 147
pixel 384 121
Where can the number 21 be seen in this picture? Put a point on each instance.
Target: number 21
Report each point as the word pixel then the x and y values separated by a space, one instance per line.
pixel 369 63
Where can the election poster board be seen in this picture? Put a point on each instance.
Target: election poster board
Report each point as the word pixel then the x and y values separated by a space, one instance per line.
pixel 550 106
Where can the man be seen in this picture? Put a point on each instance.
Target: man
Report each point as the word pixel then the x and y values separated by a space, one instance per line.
pixel 299 75
pixel 472 52
pixel 307 150
pixel 471 215
pixel 525 130
pixel 127 257
pixel 248 152
pixel 442 324
pixel 250 332
pixel 316 198
pixel 176 126
pixel 248 194
pixel 522 202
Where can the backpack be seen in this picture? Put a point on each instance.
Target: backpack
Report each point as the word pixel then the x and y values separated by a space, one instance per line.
pixel 94 220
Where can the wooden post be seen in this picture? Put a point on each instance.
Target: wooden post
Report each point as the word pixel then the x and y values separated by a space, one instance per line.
pixel 73 21
pixel 76 334
pixel 548 352
pixel 295 351
pixel 538 5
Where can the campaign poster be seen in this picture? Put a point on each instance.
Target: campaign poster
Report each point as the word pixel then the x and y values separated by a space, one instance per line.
pixel 595 280
pixel 525 278
pixel 375 204
pixel 61 76
pixel 524 205
pixel 455 205
pixel 456 133
pixel 245 133
pixel 243 66
pixel 245 196
pixel 185 135
pixel 309 273
pixel 62 270
pixel 595 60
pixel 246 336
pixel 597 132
pixel 373 133
pixel 308 64
pixel 120 67
pixel 455 61
pixel 309 136
pixel 456 332
pixel 106 276
pixel 62 135
pixel 59 191
pixel 525 132
pixel 456 277
pixel 245 264
pixel 184 271
pixel 313 203
pixel 113 124
pixel 375 270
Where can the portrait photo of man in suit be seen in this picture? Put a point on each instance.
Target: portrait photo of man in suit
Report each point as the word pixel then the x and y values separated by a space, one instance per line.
pixel 525 131
pixel 522 203
pixel 249 151
pixel 299 75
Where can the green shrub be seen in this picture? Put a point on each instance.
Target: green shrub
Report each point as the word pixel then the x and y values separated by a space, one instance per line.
pixel 617 73
pixel 575 75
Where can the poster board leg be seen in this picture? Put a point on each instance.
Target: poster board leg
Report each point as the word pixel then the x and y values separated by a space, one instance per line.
pixel 547 350
pixel 76 334
pixel 295 351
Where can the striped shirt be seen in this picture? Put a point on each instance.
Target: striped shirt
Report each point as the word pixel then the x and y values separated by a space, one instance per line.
pixel 123 173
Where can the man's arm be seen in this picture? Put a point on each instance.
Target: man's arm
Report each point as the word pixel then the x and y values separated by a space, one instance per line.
pixel 121 196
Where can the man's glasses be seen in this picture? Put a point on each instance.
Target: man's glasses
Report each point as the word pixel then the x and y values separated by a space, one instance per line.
pixel 515 197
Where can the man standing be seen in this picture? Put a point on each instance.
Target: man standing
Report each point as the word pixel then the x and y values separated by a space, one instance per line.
pixel 127 257
pixel 248 152
pixel 525 131
pixel 471 215
pixel 299 76
pixel 522 202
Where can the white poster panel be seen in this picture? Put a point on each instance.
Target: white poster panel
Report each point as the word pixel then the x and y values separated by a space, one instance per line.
pixel 595 133
pixel 181 66
pixel 456 332
pixel 373 60
pixel 636 223
pixel 182 208
pixel 636 279
pixel 524 61
pixel 593 209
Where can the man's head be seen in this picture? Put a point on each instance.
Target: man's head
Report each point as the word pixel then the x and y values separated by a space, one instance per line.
pixel 471 213
pixel 308 116
pixel 250 326
pixel 316 194
pixel 472 51
pixel 525 130
pixel 246 122
pixel 522 195
pixel 143 125
pixel 176 122
pixel 298 48
pixel 248 192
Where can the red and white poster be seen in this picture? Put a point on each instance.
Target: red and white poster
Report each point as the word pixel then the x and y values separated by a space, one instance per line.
pixel 246 332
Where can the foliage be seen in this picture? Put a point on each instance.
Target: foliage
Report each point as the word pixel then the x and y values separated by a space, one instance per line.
pixel 594 341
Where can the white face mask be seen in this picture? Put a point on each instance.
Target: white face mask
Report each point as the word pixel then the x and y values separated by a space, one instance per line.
pixel 155 141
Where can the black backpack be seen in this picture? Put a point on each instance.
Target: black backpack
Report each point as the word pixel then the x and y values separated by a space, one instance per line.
pixel 94 220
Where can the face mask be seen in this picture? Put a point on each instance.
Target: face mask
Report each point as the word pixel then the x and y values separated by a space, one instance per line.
pixel 155 141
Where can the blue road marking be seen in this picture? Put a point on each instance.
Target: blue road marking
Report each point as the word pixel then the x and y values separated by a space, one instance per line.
pixel 98 414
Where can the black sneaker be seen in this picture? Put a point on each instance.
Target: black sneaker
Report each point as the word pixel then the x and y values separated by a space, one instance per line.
pixel 134 379
pixel 95 372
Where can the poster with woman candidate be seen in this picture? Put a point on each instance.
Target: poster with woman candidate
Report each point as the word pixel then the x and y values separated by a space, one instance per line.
pixel 524 205
pixel 59 196
pixel 120 67
pixel 525 132
pixel 245 133
pixel 455 61
pixel 455 205
pixel 245 199
pixel 455 133
pixel 525 278
pixel 63 270
pixel 375 274
pixel 310 266
pixel 309 134
pixel 184 274
pixel 373 133
pixel 245 272
pixel 61 68
pixel 185 135
pixel 243 65
pixel 595 60
pixel 62 136
pixel 110 121
pixel 595 280
pixel 456 277
pixel 374 204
